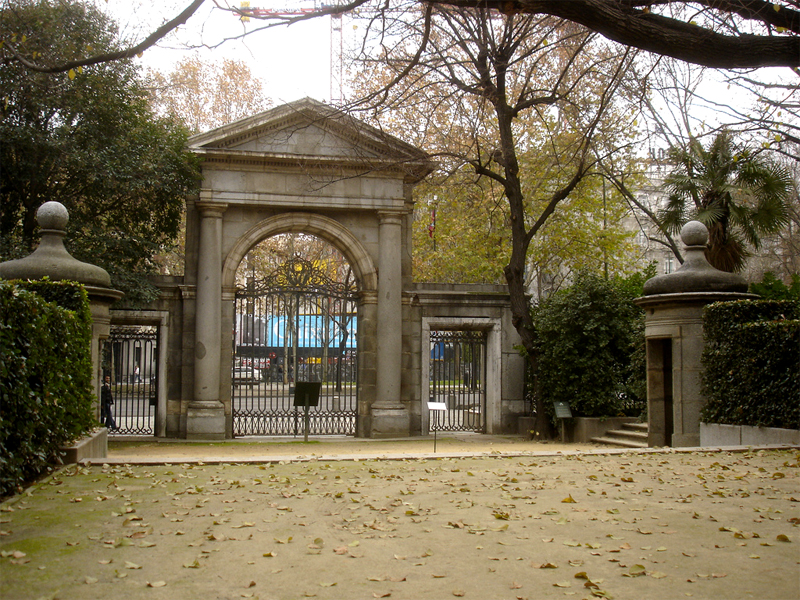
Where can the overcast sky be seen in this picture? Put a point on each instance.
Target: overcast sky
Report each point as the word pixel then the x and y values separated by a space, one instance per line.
pixel 293 62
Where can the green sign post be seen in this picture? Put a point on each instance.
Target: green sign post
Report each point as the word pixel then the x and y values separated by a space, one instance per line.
pixel 562 412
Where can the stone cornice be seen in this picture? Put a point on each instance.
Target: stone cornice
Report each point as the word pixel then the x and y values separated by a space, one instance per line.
pixel 412 169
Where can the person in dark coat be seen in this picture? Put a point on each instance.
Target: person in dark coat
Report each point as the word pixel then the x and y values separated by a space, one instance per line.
pixel 106 401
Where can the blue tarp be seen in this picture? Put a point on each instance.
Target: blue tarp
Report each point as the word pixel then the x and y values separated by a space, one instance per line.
pixel 311 331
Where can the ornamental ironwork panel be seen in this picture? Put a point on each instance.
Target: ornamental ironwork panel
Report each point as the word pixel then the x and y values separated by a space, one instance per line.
pixel 297 324
pixel 457 377
pixel 130 360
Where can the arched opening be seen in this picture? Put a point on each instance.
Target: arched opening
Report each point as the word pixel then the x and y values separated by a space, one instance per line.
pixel 295 320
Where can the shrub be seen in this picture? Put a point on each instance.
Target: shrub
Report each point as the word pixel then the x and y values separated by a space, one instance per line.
pixel 772 288
pixel 591 340
pixel 752 363
pixel 45 375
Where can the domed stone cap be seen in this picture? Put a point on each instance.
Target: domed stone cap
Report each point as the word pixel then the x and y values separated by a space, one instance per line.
pixel 51 258
pixel 695 274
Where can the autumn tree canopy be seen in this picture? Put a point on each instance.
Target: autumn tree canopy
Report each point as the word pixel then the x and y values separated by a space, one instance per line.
pixel 204 95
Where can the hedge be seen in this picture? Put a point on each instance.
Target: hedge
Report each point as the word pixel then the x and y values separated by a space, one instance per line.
pixel 591 347
pixel 45 375
pixel 752 363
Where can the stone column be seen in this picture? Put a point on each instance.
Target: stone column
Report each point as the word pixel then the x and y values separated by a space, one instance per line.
pixel 205 418
pixel 389 414
pixel 673 306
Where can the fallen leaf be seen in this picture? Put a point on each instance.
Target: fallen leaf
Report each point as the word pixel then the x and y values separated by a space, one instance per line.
pixel 635 571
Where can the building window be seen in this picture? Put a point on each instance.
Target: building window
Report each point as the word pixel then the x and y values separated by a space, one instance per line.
pixel 669 264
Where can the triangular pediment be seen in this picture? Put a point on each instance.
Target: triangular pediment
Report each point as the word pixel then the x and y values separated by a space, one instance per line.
pixel 305 129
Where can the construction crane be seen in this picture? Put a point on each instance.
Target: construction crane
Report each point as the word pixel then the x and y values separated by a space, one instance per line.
pixel 336 48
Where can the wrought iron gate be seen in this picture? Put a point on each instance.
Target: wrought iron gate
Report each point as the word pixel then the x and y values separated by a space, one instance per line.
pixel 458 379
pixel 130 360
pixel 296 324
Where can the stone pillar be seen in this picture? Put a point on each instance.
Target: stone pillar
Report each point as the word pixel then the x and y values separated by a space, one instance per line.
pixel 51 259
pixel 389 416
pixel 673 306
pixel 205 417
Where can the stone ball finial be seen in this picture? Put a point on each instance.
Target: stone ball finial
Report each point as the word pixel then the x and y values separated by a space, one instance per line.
pixel 694 233
pixel 695 275
pixel 52 215
pixel 51 259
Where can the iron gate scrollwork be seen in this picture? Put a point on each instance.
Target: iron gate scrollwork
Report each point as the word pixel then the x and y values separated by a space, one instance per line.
pixel 296 324
pixel 130 359
pixel 457 378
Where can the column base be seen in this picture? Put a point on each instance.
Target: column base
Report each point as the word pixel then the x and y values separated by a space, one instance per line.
pixel 685 440
pixel 391 422
pixel 205 420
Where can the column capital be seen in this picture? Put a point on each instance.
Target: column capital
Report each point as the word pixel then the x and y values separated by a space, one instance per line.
pixel 368 297
pixel 390 217
pixel 213 210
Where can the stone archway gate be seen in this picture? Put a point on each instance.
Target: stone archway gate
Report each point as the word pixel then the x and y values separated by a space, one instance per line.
pixel 300 168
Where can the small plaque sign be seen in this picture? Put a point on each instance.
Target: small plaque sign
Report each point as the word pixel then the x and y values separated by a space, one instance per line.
pixel 306 393
pixel 562 410
pixel 437 406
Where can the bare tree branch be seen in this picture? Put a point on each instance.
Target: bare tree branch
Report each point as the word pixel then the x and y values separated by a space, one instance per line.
pixel 633 23
pixel 149 41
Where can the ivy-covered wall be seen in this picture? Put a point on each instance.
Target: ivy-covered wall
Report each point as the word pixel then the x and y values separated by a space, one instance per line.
pixel 45 375
pixel 752 363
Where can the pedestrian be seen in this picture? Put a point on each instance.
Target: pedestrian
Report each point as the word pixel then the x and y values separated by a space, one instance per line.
pixel 106 401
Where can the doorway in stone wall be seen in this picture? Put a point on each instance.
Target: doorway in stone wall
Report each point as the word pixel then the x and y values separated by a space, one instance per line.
pixel 457 378
pixel 295 319
pixel 130 360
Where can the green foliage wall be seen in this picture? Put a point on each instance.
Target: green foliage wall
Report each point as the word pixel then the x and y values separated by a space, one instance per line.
pixel 591 340
pixel 45 375
pixel 752 363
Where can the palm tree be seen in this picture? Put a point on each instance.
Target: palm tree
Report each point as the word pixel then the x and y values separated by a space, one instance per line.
pixel 737 194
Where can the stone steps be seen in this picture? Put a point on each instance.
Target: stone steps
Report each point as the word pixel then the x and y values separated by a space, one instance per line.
pixel 631 435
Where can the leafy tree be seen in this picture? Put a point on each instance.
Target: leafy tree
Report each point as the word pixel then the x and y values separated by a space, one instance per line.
pixel 531 106
pixel 737 194
pixel 204 95
pixel 89 140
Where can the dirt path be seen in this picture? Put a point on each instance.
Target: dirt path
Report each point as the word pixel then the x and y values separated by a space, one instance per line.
pixel 631 526
pixel 251 448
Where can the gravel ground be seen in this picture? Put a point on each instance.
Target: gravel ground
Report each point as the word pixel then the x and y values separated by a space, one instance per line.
pixel 504 523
